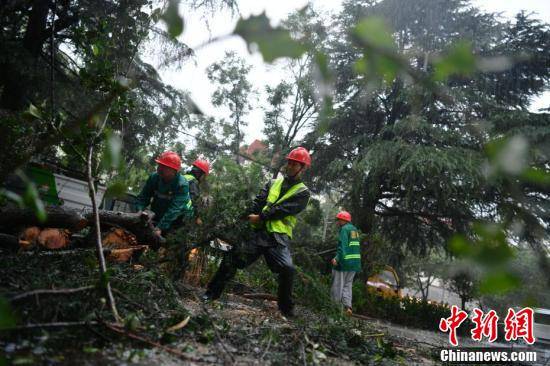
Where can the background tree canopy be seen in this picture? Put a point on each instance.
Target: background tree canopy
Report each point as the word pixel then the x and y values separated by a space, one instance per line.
pixel 416 164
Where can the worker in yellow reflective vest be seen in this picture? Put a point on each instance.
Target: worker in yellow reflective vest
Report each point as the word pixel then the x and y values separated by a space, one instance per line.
pixel 347 261
pixel 272 218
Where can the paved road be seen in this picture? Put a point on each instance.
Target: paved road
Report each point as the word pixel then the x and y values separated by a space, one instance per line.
pixel 439 294
pixel 436 339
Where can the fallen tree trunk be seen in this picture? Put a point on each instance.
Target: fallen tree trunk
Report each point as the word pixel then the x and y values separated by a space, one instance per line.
pixel 13 218
pixel 139 224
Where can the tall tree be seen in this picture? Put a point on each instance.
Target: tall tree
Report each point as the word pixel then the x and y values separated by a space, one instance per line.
pixel 291 110
pixel 410 158
pixel 70 61
pixel 234 91
pixel 294 104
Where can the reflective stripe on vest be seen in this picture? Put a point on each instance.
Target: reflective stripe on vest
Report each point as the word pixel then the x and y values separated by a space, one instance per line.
pixel 285 225
pixel 352 256
pixel 189 178
pixel 163 196
pixel 353 243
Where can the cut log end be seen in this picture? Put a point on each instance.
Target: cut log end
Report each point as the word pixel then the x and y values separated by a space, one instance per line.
pixel 53 238
pixel 120 255
pixel 124 255
pixel 30 234
pixel 29 237
pixel 118 238
pixel 123 245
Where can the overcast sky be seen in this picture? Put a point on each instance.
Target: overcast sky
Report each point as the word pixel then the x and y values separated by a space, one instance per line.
pixel 200 28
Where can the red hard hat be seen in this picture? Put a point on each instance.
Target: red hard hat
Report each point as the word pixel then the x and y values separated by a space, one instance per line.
pixel 344 215
pixel 202 165
pixel 169 159
pixel 301 155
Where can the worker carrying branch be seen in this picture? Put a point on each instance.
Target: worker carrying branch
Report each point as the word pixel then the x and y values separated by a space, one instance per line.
pixel 167 193
pixel 272 218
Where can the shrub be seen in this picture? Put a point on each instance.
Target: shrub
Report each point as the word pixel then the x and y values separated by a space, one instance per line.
pixel 406 311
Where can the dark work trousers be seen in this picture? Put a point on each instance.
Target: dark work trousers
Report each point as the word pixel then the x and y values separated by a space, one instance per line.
pixel 277 257
pixel 181 251
pixel 179 222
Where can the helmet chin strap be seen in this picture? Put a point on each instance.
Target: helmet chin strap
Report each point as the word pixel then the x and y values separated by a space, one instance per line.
pixel 297 173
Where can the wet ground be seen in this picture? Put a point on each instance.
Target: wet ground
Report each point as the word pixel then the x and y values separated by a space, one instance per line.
pixel 434 341
pixel 241 331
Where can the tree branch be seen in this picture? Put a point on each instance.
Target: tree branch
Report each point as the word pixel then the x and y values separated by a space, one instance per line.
pixel 99 245
pixel 61 291
pixel 136 337
pixel 52 325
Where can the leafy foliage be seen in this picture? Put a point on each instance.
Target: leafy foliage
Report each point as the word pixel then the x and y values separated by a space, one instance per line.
pixel 407 311
pixel 422 144
pixel 234 91
pixel 271 42
pixel 78 85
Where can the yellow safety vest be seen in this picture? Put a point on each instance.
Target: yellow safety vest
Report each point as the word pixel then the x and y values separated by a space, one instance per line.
pixel 285 225
pixel 189 178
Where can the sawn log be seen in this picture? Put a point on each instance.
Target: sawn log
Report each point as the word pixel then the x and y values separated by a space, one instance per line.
pixel 13 220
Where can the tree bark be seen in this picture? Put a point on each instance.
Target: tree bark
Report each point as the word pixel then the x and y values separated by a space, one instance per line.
pixel 12 218
pixel 36 26
pixel 15 83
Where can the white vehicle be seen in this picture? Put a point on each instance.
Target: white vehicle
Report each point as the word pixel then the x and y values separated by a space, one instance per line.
pixel 73 193
pixel 56 187
pixel 541 326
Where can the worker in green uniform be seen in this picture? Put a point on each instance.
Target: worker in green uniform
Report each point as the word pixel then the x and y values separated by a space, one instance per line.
pixel 347 261
pixel 167 194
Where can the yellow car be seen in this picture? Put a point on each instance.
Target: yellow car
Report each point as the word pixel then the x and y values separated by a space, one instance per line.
pixel 385 283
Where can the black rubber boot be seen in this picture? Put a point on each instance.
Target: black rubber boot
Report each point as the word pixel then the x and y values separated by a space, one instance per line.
pixel 285 292
pixel 207 296
pixel 216 286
